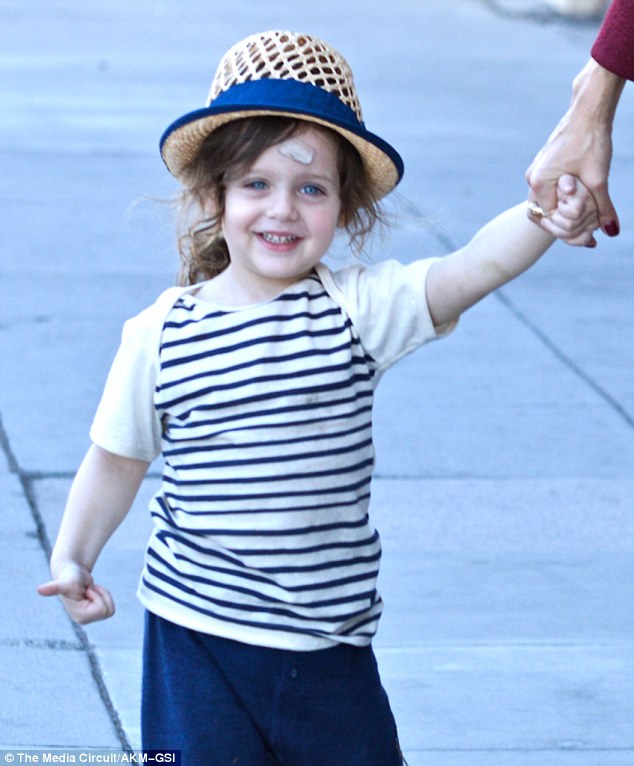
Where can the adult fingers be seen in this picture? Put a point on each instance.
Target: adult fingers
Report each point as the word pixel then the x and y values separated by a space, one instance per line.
pixel 543 187
pixel 608 218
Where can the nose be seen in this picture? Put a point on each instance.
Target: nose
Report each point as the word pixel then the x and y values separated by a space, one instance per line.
pixel 282 205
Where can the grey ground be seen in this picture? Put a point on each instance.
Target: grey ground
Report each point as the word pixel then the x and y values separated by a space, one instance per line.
pixel 505 474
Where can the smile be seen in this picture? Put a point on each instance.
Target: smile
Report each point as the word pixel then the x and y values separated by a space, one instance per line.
pixel 278 239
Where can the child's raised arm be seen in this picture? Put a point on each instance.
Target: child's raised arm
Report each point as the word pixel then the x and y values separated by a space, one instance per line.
pixel 100 497
pixel 505 248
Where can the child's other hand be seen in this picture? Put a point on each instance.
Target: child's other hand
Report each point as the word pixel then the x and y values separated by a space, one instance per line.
pixel 84 601
pixel 575 218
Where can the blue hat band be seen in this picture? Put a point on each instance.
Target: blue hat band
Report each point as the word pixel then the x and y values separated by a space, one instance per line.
pixel 288 96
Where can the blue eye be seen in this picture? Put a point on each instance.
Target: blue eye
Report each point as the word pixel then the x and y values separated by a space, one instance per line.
pixel 312 190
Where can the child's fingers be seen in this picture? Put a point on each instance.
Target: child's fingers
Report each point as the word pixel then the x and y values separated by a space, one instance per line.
pixel 579 237
pixel 102 600
pixel 97 604
pixel 84 601
pixel 574 199
pixel 582 240
pixel 561 224
pixel 576 217
pixel 566 186
pixel 573 231
pixel 573 210
pixel 577 208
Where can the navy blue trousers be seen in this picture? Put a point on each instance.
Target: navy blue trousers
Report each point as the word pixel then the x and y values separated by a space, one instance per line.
pixel 224 703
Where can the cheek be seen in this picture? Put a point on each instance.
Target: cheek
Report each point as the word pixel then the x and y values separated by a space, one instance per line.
pixel 213 209
pixel 232 214
pixel 324 226
pixel 340 216
pixel 330 220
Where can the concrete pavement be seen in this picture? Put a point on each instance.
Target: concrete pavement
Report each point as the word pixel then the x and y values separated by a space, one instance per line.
pixel 505 471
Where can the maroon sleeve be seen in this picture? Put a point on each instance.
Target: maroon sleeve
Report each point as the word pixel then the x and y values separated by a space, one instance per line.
pixel 614 46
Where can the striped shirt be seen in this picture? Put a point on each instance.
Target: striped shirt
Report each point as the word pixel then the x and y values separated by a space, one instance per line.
pixel 264 419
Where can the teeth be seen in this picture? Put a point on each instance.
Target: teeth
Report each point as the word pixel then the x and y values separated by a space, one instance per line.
pixel 275 239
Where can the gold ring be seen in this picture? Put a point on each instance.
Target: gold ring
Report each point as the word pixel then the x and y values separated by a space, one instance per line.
pixel 537 211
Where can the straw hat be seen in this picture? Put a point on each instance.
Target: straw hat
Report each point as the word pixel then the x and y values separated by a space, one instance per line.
pixel 284 74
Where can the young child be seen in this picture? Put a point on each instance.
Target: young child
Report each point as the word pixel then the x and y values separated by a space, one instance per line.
pixel 255 381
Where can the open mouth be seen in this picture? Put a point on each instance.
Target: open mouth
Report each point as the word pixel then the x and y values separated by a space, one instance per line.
pixel 278 239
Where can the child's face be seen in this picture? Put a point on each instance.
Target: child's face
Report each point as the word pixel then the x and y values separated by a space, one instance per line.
pixel 281 214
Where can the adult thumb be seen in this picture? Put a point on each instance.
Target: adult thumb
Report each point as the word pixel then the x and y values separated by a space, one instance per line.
pixel 608 218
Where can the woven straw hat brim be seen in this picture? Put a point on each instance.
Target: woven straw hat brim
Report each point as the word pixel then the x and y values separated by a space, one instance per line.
pixel 182 141
pixel 285 74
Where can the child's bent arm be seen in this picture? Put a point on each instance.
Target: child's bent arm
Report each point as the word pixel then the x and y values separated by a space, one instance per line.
pixel 101 495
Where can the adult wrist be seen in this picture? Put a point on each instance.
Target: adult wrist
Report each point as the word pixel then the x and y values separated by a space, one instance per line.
pixel 595 94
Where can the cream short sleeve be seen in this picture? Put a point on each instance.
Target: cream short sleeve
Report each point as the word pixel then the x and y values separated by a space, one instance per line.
pixel 126 422
pixel 387 304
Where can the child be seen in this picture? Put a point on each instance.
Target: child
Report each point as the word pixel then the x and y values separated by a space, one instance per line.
pixel 255 381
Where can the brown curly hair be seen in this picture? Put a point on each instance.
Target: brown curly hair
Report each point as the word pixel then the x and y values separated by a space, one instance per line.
pixel 232 148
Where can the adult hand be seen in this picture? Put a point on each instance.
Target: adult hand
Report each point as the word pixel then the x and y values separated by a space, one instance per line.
pixel 581 145
pixel 575 217
pixel 578 149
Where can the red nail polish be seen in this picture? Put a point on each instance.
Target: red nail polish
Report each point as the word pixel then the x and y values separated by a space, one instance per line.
pixel 611 229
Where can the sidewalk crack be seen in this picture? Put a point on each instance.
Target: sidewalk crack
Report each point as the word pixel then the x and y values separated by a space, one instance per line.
pixel 43 643
pixel 567 361
pixel 444 238
pixel 95 667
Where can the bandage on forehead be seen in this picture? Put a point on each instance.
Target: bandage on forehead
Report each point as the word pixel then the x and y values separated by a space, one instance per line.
pixel 297 150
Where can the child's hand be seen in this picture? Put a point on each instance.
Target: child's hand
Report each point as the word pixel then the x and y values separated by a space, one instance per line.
pixel 84 601
pixel 575 217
